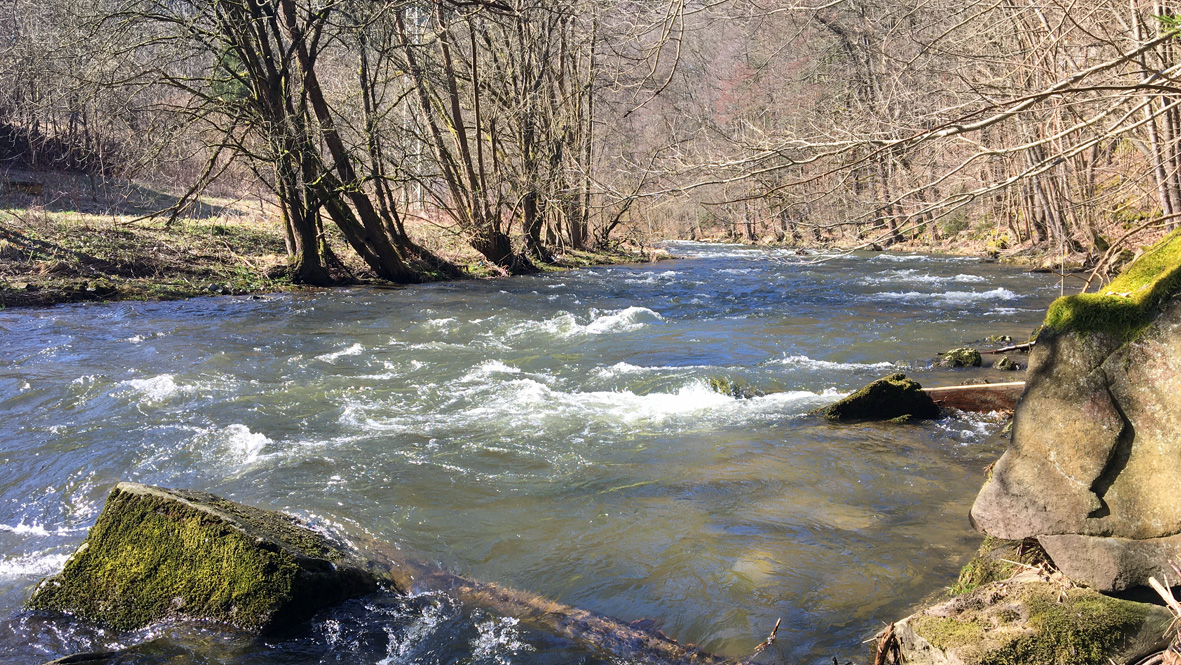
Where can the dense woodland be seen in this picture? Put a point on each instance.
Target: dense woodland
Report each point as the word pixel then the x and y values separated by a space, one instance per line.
pixel 531 127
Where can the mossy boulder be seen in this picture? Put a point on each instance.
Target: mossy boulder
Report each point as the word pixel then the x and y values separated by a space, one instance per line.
pixel 890 398
pixel 157 554
pixel 1032 619
pixel 965 357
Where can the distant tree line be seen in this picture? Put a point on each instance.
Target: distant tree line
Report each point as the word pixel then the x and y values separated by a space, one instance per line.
pixel 534 126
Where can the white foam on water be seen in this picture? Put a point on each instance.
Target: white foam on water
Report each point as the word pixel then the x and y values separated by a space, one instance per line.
pixel 244 447
pixel 35 530
pixel 913 276
pixel 624 320
pixel 36 564
pixel 948 298
pixel 157 388
pixel 813 364
pixel 354 350
pixel 486 369
pixel 400 648
pixel 654 278
pixel 498 640
pixel 562 325
pixel 565 325
pixel 626 368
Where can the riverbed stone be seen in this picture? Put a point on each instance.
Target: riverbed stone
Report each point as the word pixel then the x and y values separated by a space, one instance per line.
pixel 1006 364
pixel 889 398
pixel 965 357
pixel 1113 564
pixel 1032 619
pixel 157 554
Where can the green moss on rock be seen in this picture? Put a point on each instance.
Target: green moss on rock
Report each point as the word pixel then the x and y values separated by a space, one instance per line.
pixel 965 357
pixel 1128 304
pixel 1034 623
pixel 157 554
pixel 885 399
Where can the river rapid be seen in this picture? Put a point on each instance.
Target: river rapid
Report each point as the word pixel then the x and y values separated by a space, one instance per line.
pixel 555 434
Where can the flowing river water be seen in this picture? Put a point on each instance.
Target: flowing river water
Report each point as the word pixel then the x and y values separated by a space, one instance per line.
pixel 555 434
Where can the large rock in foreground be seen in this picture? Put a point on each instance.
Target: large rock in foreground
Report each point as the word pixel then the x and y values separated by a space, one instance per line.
pixel 885 399
pixel 1095 458
pixel 158 554
pixel 1032 620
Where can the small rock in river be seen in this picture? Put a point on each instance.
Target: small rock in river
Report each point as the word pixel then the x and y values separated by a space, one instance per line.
pixel 965 357
pixel 1006 364
pixel 885 399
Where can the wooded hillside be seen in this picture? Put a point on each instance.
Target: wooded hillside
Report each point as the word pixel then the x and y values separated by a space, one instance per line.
pixel 528 128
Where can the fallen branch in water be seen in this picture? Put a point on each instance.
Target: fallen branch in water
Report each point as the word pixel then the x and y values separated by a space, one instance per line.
pixel 625 641
pixel 765 643
pixel 1016 347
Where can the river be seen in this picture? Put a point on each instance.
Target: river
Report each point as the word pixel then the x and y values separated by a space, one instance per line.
pixel 553 433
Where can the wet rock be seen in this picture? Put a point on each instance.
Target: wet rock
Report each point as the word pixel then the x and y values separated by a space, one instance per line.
pixel 965 357
pixel 885 399
pixel 157 554
pixel 738 389
pixel 1034 620
pixel 1006 364
pixel 999 339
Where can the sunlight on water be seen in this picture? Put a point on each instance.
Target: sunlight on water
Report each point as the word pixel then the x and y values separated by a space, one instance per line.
pixel 555 433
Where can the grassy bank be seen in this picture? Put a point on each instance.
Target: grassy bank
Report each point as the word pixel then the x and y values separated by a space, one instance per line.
pixel 80 240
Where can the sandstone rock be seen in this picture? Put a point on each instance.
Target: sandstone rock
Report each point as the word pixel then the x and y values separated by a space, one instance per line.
pixel 1096 449
pixel 964 357
pixel 157 554
pixel 1031 620
pixel 885 399
pixel 1097 440
pixel 1113 564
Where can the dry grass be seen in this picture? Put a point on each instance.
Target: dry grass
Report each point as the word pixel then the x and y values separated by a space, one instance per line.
pixel 82 239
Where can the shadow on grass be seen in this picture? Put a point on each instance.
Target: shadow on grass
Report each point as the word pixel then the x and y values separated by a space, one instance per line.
pixel 62 193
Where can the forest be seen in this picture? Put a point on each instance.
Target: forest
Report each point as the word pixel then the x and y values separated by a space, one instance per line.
pixel 523 129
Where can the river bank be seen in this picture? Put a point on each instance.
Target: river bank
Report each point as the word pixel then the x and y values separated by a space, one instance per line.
pixel 79 241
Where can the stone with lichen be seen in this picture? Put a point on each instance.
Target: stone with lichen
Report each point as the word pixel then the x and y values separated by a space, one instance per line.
pixel 965 357
pixel 890 398
pixel 157 554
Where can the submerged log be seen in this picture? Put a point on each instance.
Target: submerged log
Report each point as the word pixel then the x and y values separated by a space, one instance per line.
pixel 157 554
pixel 626 641
pixel 981 398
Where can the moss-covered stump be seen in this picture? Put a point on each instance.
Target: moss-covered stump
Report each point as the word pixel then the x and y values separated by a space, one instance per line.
pixel 965 357
pixel 1031 620
pixel 157 554
pixel 894 397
